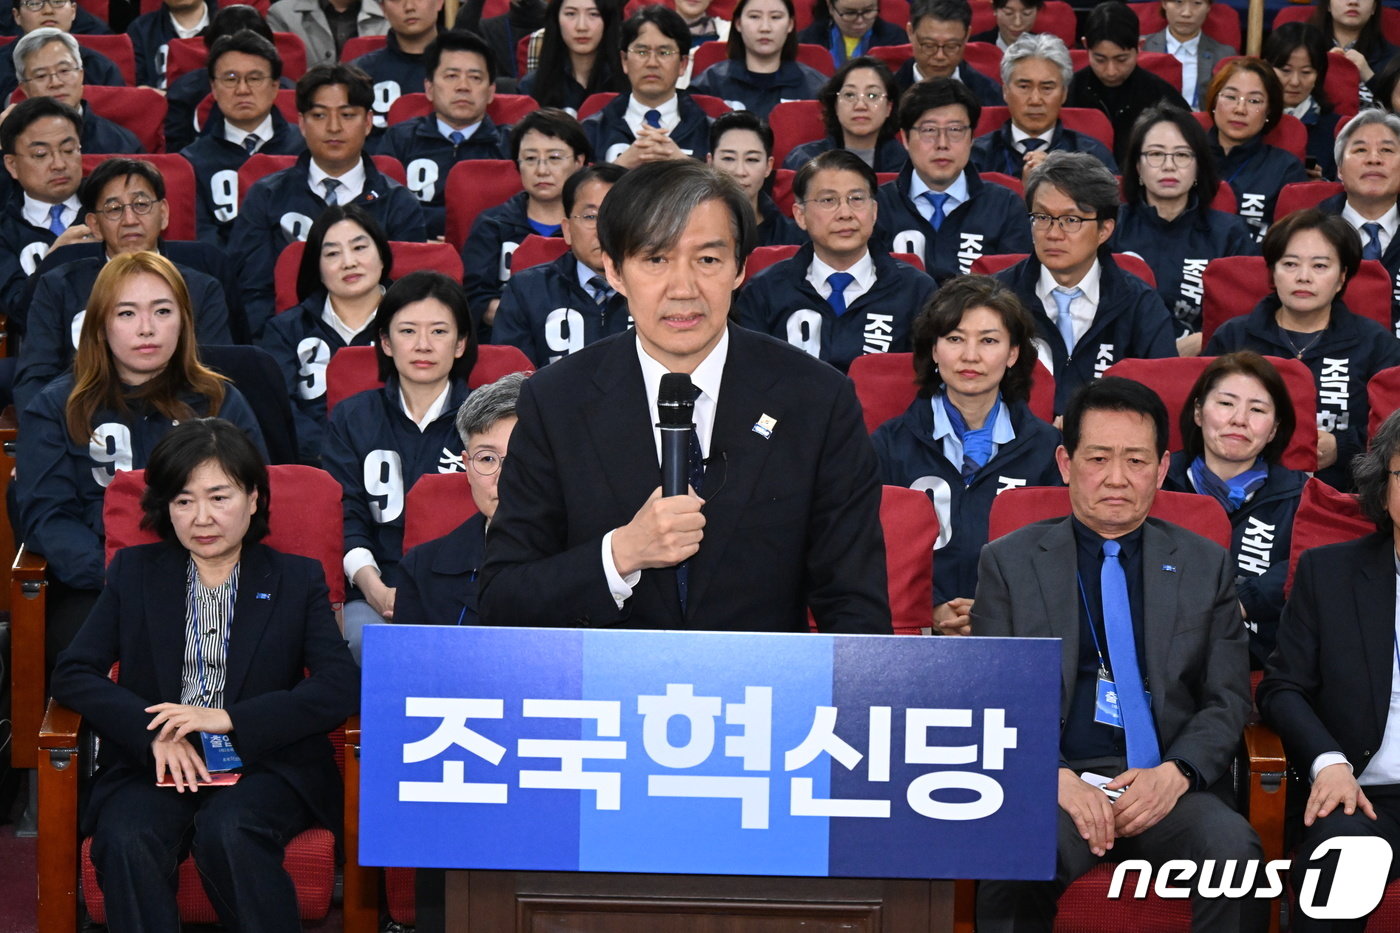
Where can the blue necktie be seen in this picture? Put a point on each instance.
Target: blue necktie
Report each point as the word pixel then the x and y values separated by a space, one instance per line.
pixel 1372 249
pixel 1063 319
pixel 653 118
pixel 332 198
pixel 696 477
pixel 1031 144
pixel 456 138
pixel 1136 715
pixel 937 200
pixel 250 143
pixel 56 225
pixel 838 282
pixel 601 290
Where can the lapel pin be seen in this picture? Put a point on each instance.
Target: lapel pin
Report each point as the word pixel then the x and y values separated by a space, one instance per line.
pixel 764 426
pixel 262 595
pixel 1169 568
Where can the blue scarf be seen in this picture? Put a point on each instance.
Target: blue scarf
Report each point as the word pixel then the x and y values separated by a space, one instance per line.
pixel 976 444
pixel 1230 493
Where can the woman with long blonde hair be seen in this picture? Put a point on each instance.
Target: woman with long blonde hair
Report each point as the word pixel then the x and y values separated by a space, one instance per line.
pixel 135 375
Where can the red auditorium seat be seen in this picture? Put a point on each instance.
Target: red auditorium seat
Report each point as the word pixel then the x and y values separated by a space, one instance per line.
pixel 185 55
pixel 1303 194
pixel 118 48
pixel 179 189
pixel 472 187
pixel 1233 285
pixel 356 46
pixel 985 58
pixel 504 109
pixel 910 523
pixel 884 384
pixel 1290 135
pixel 408 257
pixel 894 56
pixel 1383 396
pixel 794 122
pixel 536 250
pixel 139 109
pixel 354 369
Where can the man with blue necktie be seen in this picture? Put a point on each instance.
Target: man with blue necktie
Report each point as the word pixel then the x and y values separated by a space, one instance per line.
pixel 1155 670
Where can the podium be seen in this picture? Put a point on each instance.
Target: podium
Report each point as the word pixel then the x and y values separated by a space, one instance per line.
pixel 699 782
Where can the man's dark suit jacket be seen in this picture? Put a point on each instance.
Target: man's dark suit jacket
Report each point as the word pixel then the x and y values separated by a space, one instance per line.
pixel 282 626
pixel 1328 683
pixel 1197 652
pixel 792 520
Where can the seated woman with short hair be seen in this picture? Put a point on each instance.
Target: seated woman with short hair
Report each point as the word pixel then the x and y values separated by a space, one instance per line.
pixel 858 111
pixel 231 664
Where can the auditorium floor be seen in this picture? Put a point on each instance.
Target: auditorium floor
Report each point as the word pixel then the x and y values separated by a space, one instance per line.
pixel 16 882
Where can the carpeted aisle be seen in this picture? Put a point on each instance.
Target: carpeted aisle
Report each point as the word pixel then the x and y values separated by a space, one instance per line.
pixel 16 882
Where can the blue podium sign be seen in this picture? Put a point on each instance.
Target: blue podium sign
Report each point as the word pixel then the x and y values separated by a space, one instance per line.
pixel 709 752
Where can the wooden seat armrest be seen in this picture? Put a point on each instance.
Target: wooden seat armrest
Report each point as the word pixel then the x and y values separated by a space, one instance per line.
pixel 28 689
pixel 1265 749
pixel 60 729
pixel 29 565
pixel 352 734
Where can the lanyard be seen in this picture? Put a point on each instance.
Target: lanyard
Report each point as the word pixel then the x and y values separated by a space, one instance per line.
pixel 204 693
pixel 1098 649
pixel 1230 180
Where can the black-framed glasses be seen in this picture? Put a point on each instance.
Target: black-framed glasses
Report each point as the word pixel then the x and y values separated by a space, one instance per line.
pixel 256 80
pixel 852 16
pixel 1068 223
pixel 954 133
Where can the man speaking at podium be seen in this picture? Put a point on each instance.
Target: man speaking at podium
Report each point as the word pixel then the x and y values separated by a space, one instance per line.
pixel 779 496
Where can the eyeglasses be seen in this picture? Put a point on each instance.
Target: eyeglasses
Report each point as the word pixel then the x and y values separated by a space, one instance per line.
pixel 255 80
pixel 588 220
pixel 1230 99
pixel 34 6
pixel 643 52
pixel 947 48
pixel 63 74
pixel 1068 223
pixel 114 210
pixel 1158 157
pixel 486 463
pixel 954 133
pixel 552 160
pixel 852 16
pixel 830 202
pixel 851 97
pixel 44 155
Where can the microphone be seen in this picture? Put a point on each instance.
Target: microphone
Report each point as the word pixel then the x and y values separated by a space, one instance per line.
pixel 675 402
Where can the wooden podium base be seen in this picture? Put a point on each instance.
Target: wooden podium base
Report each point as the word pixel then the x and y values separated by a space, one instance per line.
pixel 552 902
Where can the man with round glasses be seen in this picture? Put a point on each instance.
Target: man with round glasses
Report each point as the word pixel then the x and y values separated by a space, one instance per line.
pixel 124 200
pixel 1089 313
pixel 938 31
pixel 48 63
pixel 60 15
pixel 939 208
pixel 244 69
pixel 837 299
pixel 850 28
pixel 654 121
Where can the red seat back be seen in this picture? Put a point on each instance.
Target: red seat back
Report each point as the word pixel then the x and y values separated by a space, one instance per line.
pixel 179 189
pixel 140 109
pixel 474 186
pixel 1058 18
pixel 910 524
pixel 1006 181
pixel 1304 194
pixel 1016 508
pixel 408 257
pixel 1233 285
pixel 356 369
pixel 435 505
pixel 304 517
pixel 894 56
pixel 356 46
pixel 1324 516
pixel 1383 396
pixel 794 122
pixel 593 103
pixel 186 55
pixel 764 256
pixel 985 58
pixel 1172 379
pixel 1080 119
pixel 536 250
pixel 117 48
pixel 713 106
pixel 884 384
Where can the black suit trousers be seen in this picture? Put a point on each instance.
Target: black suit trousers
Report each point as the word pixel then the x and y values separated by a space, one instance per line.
pixel 237 835
pixel 1386 801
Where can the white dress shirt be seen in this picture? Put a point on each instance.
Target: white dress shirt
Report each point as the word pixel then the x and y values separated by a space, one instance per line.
pixel 707 377
pixel 36 213
pixel 1189 54
pixel 336 323
pixel 263 130
pixel 351 183
pixel 863 270
pixel 636 115
pixel 957 194
pixel 1019 137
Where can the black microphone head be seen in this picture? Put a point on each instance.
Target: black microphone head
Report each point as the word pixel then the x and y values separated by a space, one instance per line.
pixel 675 400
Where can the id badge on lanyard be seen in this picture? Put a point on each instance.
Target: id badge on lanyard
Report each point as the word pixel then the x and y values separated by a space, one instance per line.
pixel 1106 709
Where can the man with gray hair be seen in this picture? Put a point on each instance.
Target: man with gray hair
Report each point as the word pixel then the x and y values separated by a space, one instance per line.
pixel 30 15
pixel 784 500
pixel 49 63
pixel 437 579
pixel 1089 313
pixel 1035 76
pixel 1368 166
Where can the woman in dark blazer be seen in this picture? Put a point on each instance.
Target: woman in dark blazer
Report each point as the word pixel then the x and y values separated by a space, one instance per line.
pixel 1328 690
pixel 231 664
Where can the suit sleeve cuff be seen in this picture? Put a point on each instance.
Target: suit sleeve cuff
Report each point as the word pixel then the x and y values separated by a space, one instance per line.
pixel 1326 760
pixel 618 585
pixel 357 559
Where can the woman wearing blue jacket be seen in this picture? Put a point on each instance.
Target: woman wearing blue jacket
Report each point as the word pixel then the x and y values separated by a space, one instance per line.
pixel 858 112
pixel 381 441
pixel 344 270
pixel 1311 258
pixel 1169 181
pixel 1235 425
pixel 762 69
pixel 969 436
pixel 135 375
pixel 1299 56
